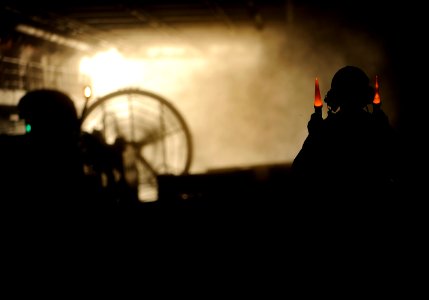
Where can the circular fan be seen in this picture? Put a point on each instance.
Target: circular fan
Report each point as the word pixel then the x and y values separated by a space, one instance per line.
pixel 157 139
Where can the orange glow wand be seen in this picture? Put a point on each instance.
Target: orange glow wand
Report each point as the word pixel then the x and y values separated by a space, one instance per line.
pixel 318 104
pixel 377 100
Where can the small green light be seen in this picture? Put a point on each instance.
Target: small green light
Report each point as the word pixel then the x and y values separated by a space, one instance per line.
pixel 27 128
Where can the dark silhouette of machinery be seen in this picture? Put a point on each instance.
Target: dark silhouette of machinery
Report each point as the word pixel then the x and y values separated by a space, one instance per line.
pixel 152 135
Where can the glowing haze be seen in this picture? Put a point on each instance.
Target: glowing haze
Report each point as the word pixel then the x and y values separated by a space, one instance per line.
pixel 247 95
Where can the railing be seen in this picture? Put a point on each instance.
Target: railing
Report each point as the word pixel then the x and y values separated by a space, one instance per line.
pixel 21 74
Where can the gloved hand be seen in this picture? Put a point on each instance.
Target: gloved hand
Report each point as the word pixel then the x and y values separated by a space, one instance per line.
pixel 315 124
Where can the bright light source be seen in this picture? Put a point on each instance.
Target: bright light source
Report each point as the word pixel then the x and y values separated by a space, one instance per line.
pixel 87 92
pixel 109 71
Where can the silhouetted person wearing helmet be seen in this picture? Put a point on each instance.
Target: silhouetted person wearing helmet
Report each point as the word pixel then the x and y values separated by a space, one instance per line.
pixel 350 152
pixel 50 162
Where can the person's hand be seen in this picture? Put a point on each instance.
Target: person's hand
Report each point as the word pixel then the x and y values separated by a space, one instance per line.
pixel 315 124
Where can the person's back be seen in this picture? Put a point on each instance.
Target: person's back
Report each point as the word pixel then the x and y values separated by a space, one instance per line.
pixel 348 153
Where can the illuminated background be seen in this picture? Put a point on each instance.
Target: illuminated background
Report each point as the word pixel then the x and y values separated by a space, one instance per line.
pixel 245 91
pixel 247 96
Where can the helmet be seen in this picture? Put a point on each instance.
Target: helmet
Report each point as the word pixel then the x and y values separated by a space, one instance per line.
pixel 349 89
pixel 49 112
